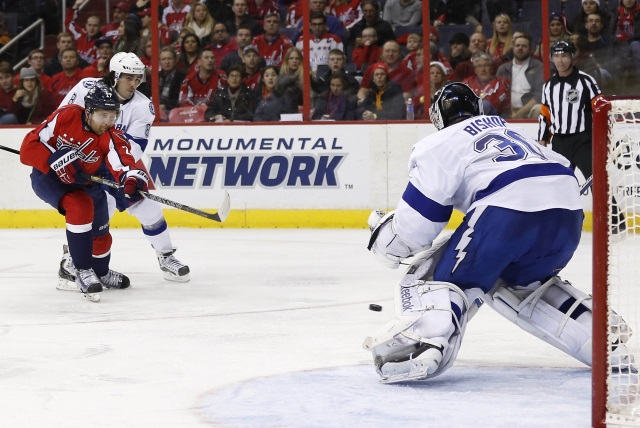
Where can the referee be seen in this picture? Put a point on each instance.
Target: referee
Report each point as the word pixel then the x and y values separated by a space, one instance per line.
pixel 565 116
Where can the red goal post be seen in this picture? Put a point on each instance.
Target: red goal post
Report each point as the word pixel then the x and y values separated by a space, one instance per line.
pixel 616 261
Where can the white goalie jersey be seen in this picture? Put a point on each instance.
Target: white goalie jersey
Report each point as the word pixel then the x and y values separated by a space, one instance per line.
pixel 467 165
pixel 136 114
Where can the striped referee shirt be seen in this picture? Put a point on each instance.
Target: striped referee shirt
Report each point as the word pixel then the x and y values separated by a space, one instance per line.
pixel 566 104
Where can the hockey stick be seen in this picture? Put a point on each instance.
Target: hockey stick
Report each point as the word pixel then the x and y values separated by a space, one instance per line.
pixel 586 186
pixel 615 153
pixel 219 216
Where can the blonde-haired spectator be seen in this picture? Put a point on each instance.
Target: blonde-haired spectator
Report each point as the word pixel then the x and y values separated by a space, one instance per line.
pixel 292 65
pixel 500 42
pixel 200 21
pixel 557 31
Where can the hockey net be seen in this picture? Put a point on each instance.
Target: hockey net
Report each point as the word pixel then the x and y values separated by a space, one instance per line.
pixel 616 262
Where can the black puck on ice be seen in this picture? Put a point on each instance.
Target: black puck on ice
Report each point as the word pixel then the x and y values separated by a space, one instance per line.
pixel 375 308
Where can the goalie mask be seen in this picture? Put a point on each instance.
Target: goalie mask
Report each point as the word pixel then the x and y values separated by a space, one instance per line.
pixel 454 102
pixel 127 63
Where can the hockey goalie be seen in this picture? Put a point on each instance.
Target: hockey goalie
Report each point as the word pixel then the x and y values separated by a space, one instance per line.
pixel 522 224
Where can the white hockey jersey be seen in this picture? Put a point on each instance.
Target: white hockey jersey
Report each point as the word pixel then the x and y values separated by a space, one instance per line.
pixel 136 114
pixel 481 161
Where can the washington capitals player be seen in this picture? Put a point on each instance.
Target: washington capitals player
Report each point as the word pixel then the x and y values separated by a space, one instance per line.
pixel 126 74
pixel 522 224
pixel 74 141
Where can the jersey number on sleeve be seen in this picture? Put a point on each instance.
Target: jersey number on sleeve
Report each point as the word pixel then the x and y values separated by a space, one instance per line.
pixel 512 146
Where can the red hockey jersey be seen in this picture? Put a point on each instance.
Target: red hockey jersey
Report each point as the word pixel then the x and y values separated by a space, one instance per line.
pixel 273 51
pixel 195 91
pixel 66 127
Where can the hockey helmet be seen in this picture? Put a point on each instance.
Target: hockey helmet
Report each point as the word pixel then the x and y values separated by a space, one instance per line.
pixel 101 97
pixel 563 46
pixel 455 100
pixel 128 63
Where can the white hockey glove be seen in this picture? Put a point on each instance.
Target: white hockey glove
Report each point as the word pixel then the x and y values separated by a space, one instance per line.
pixel 384 242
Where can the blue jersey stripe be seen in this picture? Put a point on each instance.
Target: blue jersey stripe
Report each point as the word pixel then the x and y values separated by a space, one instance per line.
pixel 522 172
pixel 428 208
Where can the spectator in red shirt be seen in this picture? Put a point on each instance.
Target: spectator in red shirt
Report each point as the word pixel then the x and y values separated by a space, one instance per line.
pixel 221 44
pixel 32 103
pixel 61 83
pixel 495 92
pixel 398 73
pixel 272 45
pixel 369 53
pixel 259 9
pixel 7 91
pixel 173 16
pixel 198 87
pixel 120 12
pixel 100 66
pixel 251 61
pixel 85 38
pixel 37 61
pixel 348 12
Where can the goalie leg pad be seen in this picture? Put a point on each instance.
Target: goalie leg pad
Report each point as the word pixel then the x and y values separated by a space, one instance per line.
pixel 555 312
pixel 425 337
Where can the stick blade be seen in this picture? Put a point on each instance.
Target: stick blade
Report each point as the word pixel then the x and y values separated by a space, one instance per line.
pixel 225 208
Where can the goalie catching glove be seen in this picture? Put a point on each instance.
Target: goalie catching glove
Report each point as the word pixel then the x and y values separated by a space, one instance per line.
pixel 385 243
pixel 64 163
pixel 132 182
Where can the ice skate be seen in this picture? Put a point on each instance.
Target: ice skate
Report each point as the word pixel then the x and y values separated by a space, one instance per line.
pixel 67 272
pixel 89 284
pixel 418 366
pixel 115 280
pixel 172 268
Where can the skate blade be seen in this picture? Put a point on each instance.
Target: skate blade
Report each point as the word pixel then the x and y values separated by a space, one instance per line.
pixel 405 377
pixel 173 278
pixel 66 285
pixel 92 297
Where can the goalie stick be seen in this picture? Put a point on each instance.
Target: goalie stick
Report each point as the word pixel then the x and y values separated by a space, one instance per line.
pixel 219 216
pixel 621 146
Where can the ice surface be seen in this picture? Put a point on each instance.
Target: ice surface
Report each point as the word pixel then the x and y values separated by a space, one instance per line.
pixel 267 333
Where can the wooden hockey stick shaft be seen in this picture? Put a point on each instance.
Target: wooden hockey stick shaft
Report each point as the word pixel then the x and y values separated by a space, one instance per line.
pixel 219 216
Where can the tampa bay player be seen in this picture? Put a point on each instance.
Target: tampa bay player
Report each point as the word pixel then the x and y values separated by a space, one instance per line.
pixel 126 73
pixel 75 141
pixel 522 224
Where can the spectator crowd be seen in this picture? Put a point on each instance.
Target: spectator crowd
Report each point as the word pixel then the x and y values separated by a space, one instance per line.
pixel 242 60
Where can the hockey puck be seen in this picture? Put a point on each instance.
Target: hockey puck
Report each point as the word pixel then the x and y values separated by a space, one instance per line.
pixel 375 308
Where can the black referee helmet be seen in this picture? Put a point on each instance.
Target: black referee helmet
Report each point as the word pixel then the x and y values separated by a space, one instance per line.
pixel 563 46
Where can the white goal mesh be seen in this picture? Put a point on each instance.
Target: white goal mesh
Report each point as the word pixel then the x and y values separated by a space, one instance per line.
pixel 623 263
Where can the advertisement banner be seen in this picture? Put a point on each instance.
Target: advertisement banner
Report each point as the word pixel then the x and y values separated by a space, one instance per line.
pixel 295 167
